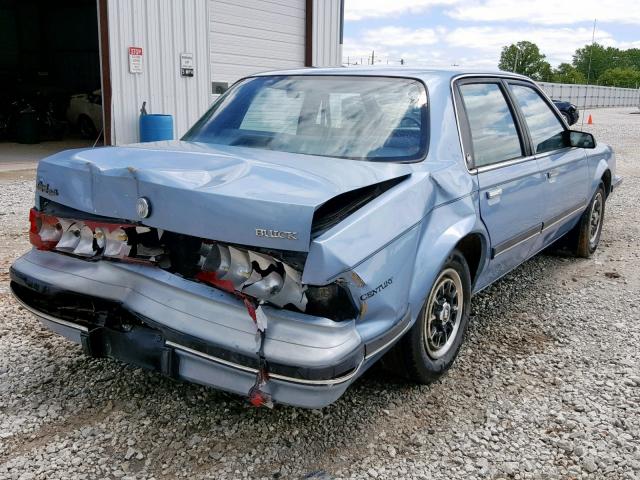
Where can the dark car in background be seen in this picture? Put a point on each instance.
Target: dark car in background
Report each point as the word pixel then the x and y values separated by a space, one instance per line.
pixel 568 110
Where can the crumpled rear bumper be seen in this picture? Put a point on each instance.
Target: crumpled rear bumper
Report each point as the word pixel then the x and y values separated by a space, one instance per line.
pixel 191 331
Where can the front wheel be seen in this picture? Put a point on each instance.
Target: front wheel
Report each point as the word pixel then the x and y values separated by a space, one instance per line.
pixel 429 349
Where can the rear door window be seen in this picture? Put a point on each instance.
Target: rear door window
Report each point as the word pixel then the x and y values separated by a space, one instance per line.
pixel 494 135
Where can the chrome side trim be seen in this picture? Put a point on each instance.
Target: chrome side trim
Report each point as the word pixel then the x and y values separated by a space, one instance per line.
pixel 390 342
pixel 466 157
pixel 529 237
pixel 244 368
pixel 563 218
pixel 48 317
pixel 506 163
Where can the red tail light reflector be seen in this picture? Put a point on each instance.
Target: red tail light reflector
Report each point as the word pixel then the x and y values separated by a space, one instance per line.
pixel 45 230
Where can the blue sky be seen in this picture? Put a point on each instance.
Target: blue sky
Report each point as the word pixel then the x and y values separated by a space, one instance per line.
pixel 471 33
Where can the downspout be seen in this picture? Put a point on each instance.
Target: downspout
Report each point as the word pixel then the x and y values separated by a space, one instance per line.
pixel 105 69
pixel 308 34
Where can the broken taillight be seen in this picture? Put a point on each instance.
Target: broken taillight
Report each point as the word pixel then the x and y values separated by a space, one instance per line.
pixel 251 273
pixel 82 238
pixel 45 231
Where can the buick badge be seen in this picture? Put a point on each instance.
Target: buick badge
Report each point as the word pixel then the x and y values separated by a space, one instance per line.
pixel 268 233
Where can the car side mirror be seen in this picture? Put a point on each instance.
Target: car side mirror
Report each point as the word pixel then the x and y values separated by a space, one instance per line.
pixel 578 139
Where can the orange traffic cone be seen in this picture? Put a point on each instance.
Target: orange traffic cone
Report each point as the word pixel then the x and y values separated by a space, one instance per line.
pixel 589 120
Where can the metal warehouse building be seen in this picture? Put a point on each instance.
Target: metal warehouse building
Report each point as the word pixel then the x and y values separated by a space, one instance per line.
pixel 175 55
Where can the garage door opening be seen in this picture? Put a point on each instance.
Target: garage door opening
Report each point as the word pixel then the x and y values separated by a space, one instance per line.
pixel 50 96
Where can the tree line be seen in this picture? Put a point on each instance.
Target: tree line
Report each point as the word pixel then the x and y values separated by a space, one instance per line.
pixel 596 63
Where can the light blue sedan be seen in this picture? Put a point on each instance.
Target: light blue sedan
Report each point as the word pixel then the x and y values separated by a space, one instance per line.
pixel 312 222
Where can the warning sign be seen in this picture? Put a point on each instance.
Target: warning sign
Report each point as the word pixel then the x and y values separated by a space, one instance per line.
pixel 135 60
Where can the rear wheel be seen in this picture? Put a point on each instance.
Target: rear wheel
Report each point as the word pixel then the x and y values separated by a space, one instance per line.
pixel 566 117
pixel 429 349
pixel 586 234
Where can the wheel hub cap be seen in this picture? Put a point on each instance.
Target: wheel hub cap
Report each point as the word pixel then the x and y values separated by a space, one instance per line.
pixel 596 217
pixel 443 312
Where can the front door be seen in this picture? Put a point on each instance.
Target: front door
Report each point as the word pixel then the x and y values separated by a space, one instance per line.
pixel 565 168
pixel 509 179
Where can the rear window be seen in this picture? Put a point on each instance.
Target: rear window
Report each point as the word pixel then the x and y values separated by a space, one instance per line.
pixel 364 118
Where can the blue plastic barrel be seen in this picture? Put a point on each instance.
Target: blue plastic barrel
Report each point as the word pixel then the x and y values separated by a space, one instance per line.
pixel 156 126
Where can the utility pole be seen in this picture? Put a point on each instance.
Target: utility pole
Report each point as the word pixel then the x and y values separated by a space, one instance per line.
pixel 593 41
pixel 515 63
pixel 373 57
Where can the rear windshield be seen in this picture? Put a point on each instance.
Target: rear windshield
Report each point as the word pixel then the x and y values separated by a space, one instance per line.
pixel 363 118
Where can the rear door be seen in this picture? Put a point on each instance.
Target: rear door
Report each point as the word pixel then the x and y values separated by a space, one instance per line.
pixel 565 168
pixel 509 179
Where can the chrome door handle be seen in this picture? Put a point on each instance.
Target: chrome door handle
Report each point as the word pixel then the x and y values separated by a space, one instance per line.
pixel 496 192
pixel 552 174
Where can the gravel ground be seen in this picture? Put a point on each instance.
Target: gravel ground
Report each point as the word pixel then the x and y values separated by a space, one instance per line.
pixel 547 385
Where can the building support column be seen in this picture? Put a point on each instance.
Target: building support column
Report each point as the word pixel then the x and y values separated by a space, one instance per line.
pixel 105 69
pixel 308 40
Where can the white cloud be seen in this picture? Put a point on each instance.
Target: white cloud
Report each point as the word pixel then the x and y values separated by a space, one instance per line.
pixel 359 9
pixel 400 36
pixel 473 46
pixel 390 44
pixel 558 44
pixel 627 45
pixel 549 12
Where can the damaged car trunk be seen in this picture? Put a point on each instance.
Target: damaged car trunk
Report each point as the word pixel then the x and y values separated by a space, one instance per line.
pixel 192 257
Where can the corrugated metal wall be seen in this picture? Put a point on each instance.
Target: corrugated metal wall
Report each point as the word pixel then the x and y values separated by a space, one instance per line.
pixel 590 96
pixel 250 36
pixel 230 39
pixel 164 29
pixel 327 41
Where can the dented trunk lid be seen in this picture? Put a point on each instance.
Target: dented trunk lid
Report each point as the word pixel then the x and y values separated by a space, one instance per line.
pixel 232 194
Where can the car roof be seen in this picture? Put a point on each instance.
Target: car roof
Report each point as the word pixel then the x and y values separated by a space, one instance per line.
pixel 386 71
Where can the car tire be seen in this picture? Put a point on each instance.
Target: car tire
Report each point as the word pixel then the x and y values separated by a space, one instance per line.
pixel 586 234
pixel 86 127
pixel 567 118
pixel 430 347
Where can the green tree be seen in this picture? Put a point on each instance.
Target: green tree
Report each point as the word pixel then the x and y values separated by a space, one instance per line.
pixel 545 74
pixel 525 58
pixel 628 77
pixel 599 57
pixel 631 58
pixel 567 73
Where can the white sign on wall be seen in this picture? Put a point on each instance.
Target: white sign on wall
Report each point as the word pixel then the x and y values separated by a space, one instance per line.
pixel 186 64
pixel 135 60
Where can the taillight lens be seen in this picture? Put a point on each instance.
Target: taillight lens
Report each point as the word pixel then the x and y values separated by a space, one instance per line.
pixel 45 230
pixel 255 274
pixel 86 239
